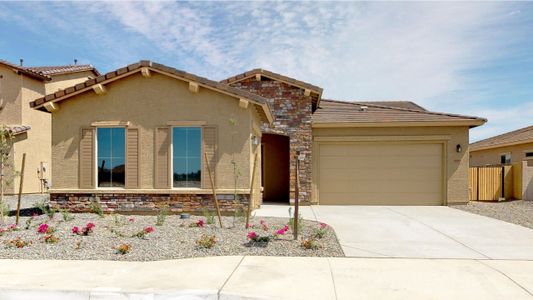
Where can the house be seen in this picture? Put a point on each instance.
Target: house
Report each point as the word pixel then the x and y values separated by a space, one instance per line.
pixel 146 135
pixel 511 147
pixel 31 128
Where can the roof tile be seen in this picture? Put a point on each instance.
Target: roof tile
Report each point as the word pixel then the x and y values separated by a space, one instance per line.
pixel 522 135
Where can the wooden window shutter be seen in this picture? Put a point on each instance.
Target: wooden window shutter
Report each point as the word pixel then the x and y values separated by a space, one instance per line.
pixel 209 145
pixel 162 158
pixel 86 158
pixel 132 158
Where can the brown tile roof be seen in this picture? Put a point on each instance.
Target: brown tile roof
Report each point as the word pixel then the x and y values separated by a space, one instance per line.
pixel 18 129
pixel 519 136
pixel 136 67
pixel 274 76
pixel 67 69
pixel 398 104
pixel 45 72
pixel 333 113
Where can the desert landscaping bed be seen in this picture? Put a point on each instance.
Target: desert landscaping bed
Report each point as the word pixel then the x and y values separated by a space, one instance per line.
pixel 518 212
pixel 90 236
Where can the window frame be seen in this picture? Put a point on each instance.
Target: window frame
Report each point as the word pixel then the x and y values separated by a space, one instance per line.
pixel 96 157
pixel 505 154
pixel 171 153
pixel 526 153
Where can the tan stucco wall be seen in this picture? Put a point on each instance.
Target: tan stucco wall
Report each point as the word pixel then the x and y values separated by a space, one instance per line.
pixel 59 82
pixel 149 103
pixel 492 156
pixel 456 163
pixel 10 85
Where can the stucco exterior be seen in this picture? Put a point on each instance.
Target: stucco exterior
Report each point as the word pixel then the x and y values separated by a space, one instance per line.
pixel 456 164
pixel 149 103
pixel 492 156
pixel 17 91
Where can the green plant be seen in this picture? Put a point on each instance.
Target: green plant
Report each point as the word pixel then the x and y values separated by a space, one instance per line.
pixel 208 215
pixel 96 208
pixel 66 215
pixel 162 216
pixel 7 168
pixel 309 244
pixel 50 239
pixel 291 221
pixel 45 209
pixel 5 210
pixel 238 215
pixel 321 231
pixel 206 241
pixel 17 242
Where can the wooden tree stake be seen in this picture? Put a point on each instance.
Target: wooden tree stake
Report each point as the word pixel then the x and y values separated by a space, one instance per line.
pixel 213 188
pixel 20 186
pixel 249 209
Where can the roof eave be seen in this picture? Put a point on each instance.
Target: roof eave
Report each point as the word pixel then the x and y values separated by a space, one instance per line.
pixel 469 123
pixel 474 149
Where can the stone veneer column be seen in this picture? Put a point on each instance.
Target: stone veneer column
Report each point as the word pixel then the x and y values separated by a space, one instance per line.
pixel 292 112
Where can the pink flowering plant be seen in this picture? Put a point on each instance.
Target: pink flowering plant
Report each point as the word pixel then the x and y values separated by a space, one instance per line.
pixel 85 231
pixel 199 223
pixel 142 234
pixel 45 229
pixel 321 231
pixel 255 237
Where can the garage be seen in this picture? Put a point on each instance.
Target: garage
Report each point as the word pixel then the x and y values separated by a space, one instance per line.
pixel 381 173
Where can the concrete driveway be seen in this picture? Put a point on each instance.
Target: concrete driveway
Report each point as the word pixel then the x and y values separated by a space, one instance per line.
pixel 418 232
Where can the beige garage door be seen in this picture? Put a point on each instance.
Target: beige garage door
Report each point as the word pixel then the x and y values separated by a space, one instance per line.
pixel 406 173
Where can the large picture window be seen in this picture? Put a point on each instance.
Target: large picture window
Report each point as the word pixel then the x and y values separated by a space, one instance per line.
pixel 111 157
pixel 186 157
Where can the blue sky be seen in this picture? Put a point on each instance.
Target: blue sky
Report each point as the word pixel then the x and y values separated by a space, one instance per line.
pixel 467 58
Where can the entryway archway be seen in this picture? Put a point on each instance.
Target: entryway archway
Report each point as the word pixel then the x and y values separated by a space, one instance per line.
pixel 275 168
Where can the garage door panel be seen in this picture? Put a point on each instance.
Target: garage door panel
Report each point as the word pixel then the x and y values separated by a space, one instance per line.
pixel 407 173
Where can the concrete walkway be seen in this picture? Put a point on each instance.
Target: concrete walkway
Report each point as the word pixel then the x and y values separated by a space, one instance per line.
pixel 251 277
pixel 417 232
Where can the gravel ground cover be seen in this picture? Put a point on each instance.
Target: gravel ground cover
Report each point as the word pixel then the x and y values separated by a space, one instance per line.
pixel 518 212
pixel 176 238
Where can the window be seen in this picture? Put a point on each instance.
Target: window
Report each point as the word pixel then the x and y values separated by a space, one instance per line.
pixel 111 155
pixel 529 154
pixel 186 157
pixel 505 158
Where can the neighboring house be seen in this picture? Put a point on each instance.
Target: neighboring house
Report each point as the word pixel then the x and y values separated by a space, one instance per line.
pixel 32 129
pixel 511 147
pixel 135 139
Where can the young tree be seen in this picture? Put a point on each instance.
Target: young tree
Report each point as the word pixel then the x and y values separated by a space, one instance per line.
pixel 7 169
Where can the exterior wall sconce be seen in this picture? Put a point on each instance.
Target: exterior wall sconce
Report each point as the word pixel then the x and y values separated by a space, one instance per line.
pixel 458 148
pixel 255 140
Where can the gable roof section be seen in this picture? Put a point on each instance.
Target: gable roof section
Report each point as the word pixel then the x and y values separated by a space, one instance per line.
pixel 334 113
pixel 278 77
pixel 159 68
pixel 516 137
pixel 45 73
pixel 60 70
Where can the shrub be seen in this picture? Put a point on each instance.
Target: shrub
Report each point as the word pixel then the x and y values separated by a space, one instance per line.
pixel 264 225
pixel 208 215
pixel 123 249
pixel 256 238
pixel 85 231
pixel 66 215
pixel 45 209
pixel 291 220
pixel 309 244
pixel 199 223
pixel 206 241
pixel 45 229
pixel 50 239
pixel 142 234
pixel 282 231
pixel 17 243
pixel 162 216
pixel 96 208
pixel 4 208
pixel 321 231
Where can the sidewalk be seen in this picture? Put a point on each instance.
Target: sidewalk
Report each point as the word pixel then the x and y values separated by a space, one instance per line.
pixel 251 277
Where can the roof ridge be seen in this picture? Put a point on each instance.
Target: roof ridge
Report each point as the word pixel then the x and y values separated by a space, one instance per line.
pixel 406 109
pixel 268 73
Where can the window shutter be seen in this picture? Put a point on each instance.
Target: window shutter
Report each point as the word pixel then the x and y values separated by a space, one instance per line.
pixel 162 158
pixel 87 159
pixel 209 145
pixel 132 158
